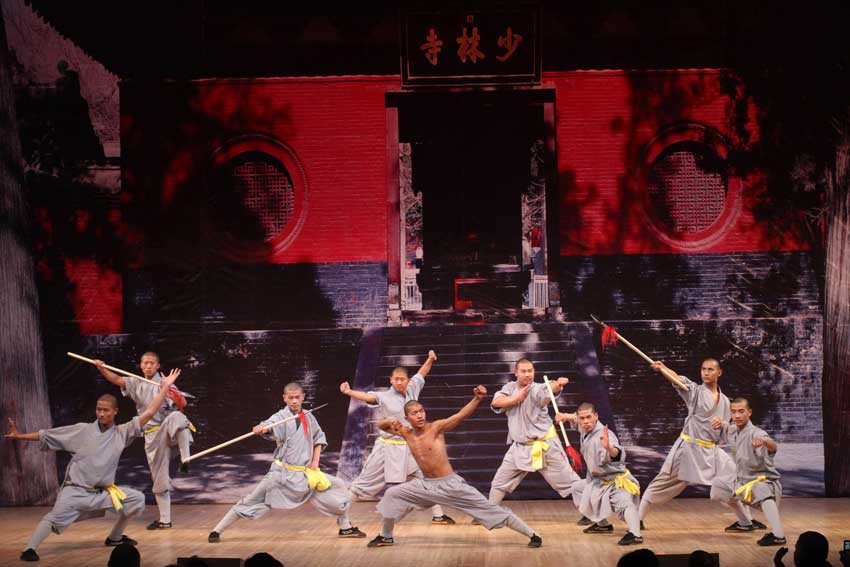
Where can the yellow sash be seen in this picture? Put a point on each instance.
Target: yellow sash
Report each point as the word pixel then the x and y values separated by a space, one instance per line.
pixel 538 447
pixel 623 481
pixel 700 442
pixel 747 488
pixel 315 479
pixel 393 441
pixel 117 496
pixel 156 428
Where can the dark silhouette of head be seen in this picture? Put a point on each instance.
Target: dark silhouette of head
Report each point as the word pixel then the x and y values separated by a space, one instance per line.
pixel 811 550
pixel 124 555
pixel 262 559
pixel 639 558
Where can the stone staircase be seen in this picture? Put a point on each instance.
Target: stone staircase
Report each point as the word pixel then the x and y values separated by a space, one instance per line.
pixel 485 354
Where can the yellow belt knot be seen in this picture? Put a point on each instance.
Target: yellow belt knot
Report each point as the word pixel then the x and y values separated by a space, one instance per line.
pixel 538 447
pixel 315 479
pixel 153 428
pixel 117 496
pixel 700 442
pixel 747 488
pixel 393 441
pixel 624 482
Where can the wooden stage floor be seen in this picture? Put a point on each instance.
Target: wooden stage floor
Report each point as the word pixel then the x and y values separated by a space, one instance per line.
pixel 304 537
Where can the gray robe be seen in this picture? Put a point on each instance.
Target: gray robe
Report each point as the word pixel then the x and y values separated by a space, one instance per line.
pixel 389 462
pixel 528 421
pixel 160 432
pixel 597 497
pixel 698 464
pixel 287 489
pixel 750 464
pixel 92 469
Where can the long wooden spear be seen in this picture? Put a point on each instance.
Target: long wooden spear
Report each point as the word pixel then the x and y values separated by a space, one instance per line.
pixel 125 373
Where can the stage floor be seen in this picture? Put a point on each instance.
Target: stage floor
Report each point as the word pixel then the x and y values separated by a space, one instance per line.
pixel 304 537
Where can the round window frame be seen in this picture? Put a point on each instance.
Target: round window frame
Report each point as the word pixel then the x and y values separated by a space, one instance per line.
pixel 721 226
pixel 282 153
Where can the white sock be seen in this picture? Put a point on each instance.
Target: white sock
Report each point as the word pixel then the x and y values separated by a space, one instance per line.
pixel 644 505
pixel 771 512
pixel 496 496
pixel 42 530
pixel 225 522
pixel 343 522
pixel 633 520
pixel 742 512
pixel 163 502
pixel 387 528
pixel 437 510
pixel 517 525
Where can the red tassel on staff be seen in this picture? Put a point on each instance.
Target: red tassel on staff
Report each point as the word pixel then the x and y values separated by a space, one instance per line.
pixel 575 459
pixel 609 336
pixel 177 397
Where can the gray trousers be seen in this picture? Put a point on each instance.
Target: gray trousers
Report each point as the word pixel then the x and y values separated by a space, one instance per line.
pixel 556 471
pixel 75 503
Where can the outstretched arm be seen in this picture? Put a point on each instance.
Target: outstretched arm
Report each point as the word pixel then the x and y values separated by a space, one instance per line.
pixel 426 366
pixel 345 388
pixel 557 385
pixel 116 379
pixel 393 426
pixel 15 434
pixel 157 402
pixel 503 402
pixel 453 421
pixel 669 375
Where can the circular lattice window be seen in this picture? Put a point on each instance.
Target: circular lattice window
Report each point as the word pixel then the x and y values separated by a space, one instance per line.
pixel 257 197
pixel 687 188
pixel 264 189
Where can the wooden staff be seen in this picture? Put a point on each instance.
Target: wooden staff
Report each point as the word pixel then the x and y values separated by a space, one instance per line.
pixel 572 454
pixel 124 372
pixel 247 435
pixel 618 337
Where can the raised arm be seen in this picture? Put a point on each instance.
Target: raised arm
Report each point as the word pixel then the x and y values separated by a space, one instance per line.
pixel 669 375
pixel 393 426
pixel 454 420
pixel 557 385
pixel 426 366
pixel 157 402
pixel 116 379
pixel 15 434
pixel 345 388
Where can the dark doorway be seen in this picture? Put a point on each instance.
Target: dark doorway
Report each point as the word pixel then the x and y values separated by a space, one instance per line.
pixel 471 163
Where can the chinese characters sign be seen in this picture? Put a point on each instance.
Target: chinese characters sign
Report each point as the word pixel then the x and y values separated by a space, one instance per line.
pixel 480 47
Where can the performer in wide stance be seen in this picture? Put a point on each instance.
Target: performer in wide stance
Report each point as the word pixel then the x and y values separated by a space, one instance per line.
pixel 440 484
pixel 168 428
pixel 294 477
pixel 390 461
pixel 534 443
pixel 695 457
pixel 757 480
pixel 609 487
pixel 89 486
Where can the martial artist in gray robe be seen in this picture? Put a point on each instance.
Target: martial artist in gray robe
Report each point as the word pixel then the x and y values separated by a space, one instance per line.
pixel 92 469
pixel 167 429
pixel 529 422
pixel 605 491
pixel 696 457
pixel 285 488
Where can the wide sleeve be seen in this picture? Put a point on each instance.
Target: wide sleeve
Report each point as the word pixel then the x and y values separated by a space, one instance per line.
pixel 689 392
pixel 131 430
pixel 415 386
pixel 539 394
pixel 507 390
pixel 69 438
pixel 277 433
pixel 318 434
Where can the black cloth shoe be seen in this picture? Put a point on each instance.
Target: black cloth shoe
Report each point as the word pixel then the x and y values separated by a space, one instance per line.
pixel 535 541
pixel 116 542
pixel 157 525
pixel 595 528
pixel 380 541
pixel 758 525
pixel 351 532
pixel 736 527
pixel 29 554
pixel 183 468
pixel 214 537
pixel 443 520
pixel 770 539
pixel 585 521
pixel 630 539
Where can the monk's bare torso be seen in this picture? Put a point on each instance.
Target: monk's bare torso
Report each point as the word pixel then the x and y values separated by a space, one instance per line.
pixel 428 445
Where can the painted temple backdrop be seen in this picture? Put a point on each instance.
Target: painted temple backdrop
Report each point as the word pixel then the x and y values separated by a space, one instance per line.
pixel 271 199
